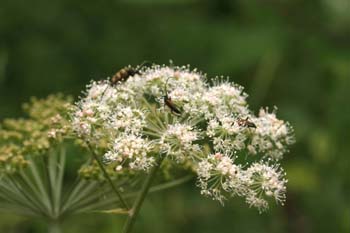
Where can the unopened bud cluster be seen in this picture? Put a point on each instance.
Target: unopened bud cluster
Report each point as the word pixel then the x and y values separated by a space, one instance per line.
pixel 47 123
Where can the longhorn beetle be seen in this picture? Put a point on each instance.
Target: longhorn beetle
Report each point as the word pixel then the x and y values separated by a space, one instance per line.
pixel 168 102
pixel 245 123
pixel 123 74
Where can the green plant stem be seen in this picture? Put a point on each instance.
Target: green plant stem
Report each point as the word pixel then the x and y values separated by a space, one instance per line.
pixel 54 227
pixel 108 178
pixel 141 197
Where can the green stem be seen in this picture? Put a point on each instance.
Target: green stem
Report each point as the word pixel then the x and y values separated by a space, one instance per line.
pixel 141 197
pixel 108 178
pixel 54 227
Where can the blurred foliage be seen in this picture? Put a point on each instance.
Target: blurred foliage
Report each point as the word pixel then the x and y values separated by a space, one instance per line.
pixel 292 54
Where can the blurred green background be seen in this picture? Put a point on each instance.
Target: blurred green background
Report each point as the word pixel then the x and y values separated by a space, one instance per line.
pixel 294 54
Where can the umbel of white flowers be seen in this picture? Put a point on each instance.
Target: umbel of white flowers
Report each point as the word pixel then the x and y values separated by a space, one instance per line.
pixel 213 131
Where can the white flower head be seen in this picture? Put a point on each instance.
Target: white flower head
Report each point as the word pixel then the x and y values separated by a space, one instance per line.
pixel 179 141
pixel 212 131
pixel 272 136
pixel 225 99
pixel 265 181
pixel 219 176
pixel 130 151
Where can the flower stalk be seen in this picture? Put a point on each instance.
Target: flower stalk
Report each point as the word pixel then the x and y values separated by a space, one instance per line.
pixel 108 178
pixel 54 227
pixel 133 213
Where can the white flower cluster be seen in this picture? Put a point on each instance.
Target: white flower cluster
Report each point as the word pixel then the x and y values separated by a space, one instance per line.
pixel 264 180
pixel 272 136
pixel 174 112
pixel 220 177
pixel 179 141
pixel 217 174
pixel 226 134
pixel 226 98
pixel 131 150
